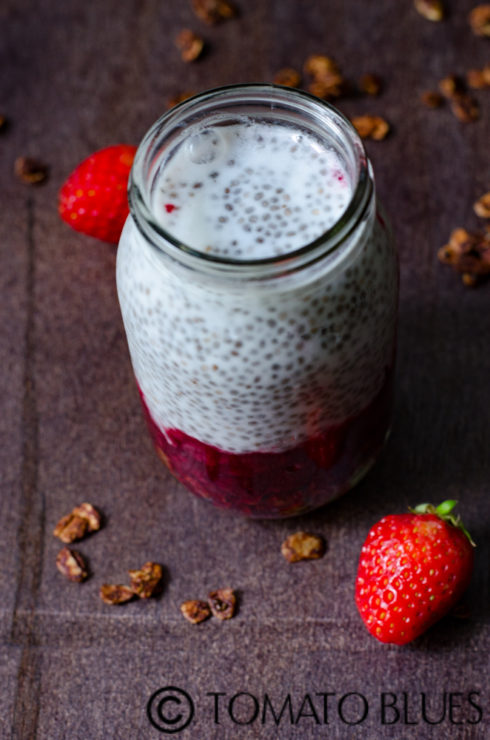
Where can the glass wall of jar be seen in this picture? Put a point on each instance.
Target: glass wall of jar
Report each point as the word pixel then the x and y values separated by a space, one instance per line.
pixel 258 286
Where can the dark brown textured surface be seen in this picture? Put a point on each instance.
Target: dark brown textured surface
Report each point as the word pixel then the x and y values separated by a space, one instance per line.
pixel 78 76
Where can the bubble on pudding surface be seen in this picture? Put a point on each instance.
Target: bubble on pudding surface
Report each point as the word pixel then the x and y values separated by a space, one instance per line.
pixel 204 146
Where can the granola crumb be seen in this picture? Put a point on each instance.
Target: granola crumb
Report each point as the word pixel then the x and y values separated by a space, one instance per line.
pixel 326 90
pixel 303 546
pixel 370 84
pixel 71 528
pixel 463 105
pixel 92 516
pixel 175 100
pixel 478 79
pixel 465 108
pixel 432 10
pixel 451 86
pixel 222 603
pixel 214 11
pixel 469 254
pixel 371 127
pixel 190 45
pixel 479 19
pixel 469 279
pixel 147 580
pixel 432 99
pixel 83 519
pixel 30 171
pixel 320 66
pixel 288 77
pixel 327 81
pixel 195 611
pixel 115 594
pixel 72 565
pixel 482 206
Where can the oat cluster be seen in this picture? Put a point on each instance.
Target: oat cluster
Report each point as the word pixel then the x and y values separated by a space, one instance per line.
pixel 82 520
pixel 190 45
pixel 371 127
pixel 479 19
pixel 303 546
pixel 220 604
pixel 145 582
pixel 469 254
pixel 432 10
pixel 30 171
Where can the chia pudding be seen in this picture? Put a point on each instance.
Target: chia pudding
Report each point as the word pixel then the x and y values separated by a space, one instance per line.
pixel 259 301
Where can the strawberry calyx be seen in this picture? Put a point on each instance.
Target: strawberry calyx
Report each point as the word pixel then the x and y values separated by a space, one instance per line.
pixel 445 512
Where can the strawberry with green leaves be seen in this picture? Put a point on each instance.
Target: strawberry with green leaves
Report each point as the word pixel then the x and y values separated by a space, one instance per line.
pixel 413 569
pixel 94 199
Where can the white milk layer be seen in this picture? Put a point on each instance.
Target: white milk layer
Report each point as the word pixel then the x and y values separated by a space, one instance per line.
pixel 250 191
pixel 257 368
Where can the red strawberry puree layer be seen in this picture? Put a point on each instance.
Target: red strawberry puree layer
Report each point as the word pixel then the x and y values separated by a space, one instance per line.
pixel 275 484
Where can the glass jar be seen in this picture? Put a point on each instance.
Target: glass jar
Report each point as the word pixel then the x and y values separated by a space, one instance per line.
pixel 265 378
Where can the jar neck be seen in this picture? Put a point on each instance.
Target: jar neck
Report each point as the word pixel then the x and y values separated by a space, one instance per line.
pixel 266 104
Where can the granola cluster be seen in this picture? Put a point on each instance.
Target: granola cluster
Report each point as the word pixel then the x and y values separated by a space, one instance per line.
pixel 115 593
pixel 72 565
pixel 326 81
pixel 482 206
pixel 478 79
pixel 220 604
pixel 145 582
pixel 195 610
pixel 288 77
pixel 432 98
pixel 469 254
pixel 463 105
pixel 371 127
pixel 30 171
pixel 303 546
pixel 190 45
pixel 370 84
pixel 432 10
pixel 82 520
pixel 214 11
pixel 479 19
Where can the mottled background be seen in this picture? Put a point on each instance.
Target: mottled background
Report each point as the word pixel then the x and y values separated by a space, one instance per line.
pixel 77 76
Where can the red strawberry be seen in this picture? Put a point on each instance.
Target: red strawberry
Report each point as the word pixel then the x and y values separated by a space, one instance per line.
pixel 413 569
pixel 94 198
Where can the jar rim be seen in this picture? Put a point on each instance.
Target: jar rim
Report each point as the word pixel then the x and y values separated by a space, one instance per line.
pixel 264 93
